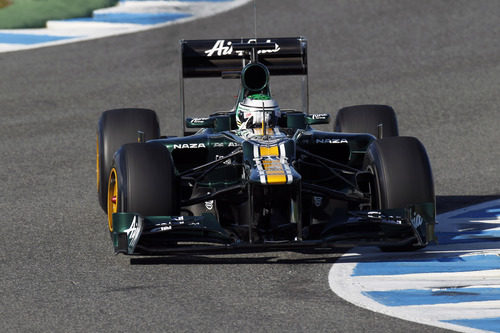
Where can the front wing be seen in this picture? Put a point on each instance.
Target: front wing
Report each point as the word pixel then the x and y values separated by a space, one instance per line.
pixel 134 234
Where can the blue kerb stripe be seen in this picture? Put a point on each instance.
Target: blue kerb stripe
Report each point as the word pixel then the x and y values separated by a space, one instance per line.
pixel 440 296
pixel 487 324
pixel 475 231
pixel 26 39
pixel 479 213
pixel 468 236
pixel 141 18
pixel 435 265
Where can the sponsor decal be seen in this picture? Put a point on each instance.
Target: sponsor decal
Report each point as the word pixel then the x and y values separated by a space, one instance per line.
pixel 199 120
pixel 166 228
pixel 178 219
pixel 331 141
pixel 209 204
pixel 225 144
pixel 133 233
pixel 417 220
pixel 226 162
pixel 320 116
pixel 162 227
pixel 189 145
pixel 223 48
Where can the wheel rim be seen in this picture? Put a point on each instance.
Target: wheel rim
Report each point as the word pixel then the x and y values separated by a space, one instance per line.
pixel 112 197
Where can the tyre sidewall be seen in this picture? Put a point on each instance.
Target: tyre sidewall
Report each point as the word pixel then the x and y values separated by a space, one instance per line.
pixel 146 180
pixel 402 179
pixel 115 128
pixel 366 118
pixel 402 172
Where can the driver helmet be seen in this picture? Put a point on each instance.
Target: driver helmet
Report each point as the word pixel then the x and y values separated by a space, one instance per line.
pixel 257 108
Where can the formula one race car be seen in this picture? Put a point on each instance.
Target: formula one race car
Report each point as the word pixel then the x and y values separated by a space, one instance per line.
pixel 258 177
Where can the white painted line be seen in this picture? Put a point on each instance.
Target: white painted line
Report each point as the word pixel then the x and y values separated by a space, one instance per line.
pixel 341 282
pixel 474 279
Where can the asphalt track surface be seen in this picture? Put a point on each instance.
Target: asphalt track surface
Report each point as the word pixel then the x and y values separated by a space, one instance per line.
pixel 435 62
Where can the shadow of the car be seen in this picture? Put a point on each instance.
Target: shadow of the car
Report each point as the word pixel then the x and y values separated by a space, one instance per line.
pixel 321 257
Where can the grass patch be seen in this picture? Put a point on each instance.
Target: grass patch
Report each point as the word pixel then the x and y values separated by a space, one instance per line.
pixel 35 13
pixel 4 3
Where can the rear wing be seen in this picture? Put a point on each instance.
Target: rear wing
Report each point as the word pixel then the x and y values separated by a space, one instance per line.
pixel 217 58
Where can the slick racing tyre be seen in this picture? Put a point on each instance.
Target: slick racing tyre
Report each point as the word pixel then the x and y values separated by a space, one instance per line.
pixel 142 180
pixel 366 119
pixel 402 175
pixel 115 128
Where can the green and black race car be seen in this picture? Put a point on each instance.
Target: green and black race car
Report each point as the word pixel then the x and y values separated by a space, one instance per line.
pixel 259 177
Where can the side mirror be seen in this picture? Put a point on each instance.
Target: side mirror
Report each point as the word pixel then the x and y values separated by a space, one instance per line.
pixel 318 118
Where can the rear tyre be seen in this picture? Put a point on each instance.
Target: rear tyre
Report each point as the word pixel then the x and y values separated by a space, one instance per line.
pixel 142 180
pixel 366 118
pixel 115 128
pixel 402 173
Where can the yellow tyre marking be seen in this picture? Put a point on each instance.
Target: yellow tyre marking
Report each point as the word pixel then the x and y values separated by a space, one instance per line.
pixel 112 197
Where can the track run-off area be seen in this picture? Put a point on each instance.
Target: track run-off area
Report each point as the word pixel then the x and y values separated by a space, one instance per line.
pixel 436 63
pixel 454 284
pixel 127 16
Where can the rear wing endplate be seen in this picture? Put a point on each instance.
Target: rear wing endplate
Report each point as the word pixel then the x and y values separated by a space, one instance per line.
pixel 214 57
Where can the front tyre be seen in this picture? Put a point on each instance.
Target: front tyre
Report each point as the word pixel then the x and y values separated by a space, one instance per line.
pixel 142 181
pixel 366 119
pixel 402 176
pixel 115 128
